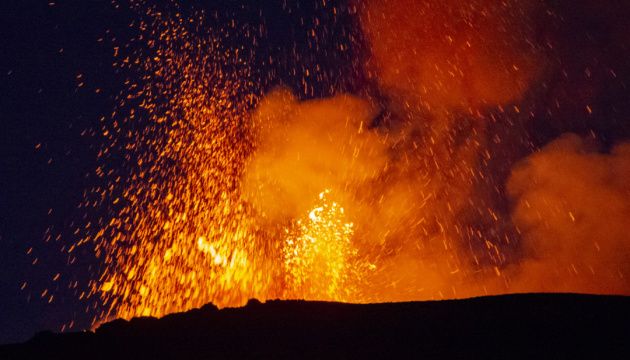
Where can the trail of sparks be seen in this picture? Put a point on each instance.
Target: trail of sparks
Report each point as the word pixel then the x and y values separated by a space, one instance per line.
pixel 183 237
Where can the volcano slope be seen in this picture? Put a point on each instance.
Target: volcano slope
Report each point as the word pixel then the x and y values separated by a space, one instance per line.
pixel 507 326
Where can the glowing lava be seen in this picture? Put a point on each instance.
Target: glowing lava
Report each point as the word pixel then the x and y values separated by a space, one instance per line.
pixel 319 257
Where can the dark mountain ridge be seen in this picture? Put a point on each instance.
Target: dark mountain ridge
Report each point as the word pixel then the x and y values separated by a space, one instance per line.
pixel 507 326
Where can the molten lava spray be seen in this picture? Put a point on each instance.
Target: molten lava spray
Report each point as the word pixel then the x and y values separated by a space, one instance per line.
pixel 226 194
pixel 184 237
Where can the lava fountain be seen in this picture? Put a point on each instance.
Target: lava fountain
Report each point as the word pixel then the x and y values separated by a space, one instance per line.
pixel 226 194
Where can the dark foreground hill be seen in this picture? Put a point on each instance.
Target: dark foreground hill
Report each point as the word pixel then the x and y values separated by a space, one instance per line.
pixel 503 327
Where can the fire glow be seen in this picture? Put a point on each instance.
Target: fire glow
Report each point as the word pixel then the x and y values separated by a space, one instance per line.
pixel 230 194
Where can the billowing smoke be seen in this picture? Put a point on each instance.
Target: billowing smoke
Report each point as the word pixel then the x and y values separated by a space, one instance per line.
pixel 309 147
pixel 447 55
pixel 407 168
pixel 572 206
pixel 392 193
pixel 442 67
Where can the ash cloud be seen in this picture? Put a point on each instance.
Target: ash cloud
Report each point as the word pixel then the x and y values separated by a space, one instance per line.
pixel 304 148
pixel 389 189
pixel 446 55
pixel 439 63
pixel 572 205
pixel 421 172
pixel 406 182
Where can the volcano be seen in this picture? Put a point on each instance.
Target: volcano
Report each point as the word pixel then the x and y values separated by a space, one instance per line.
pixel 162 155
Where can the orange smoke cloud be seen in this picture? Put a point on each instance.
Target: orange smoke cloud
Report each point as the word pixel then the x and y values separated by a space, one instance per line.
pixel 306 148
pixel 451 54
pixel 404 243
pixel 572 208
pixel 407 187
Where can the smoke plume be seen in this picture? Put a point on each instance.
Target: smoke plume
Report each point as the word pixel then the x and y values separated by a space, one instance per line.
pixel 309 147
pixel 400 197
pixel 446 55
pixel 572 206
pixel 409 170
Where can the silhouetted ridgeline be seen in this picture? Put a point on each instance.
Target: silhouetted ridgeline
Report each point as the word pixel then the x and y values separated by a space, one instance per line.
pixel 506 327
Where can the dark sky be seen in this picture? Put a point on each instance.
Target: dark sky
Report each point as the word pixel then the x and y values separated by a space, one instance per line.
pixel 45 48
pixel 51 64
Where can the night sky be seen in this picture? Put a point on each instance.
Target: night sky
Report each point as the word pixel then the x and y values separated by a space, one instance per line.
pixel 57 80
pixel 44 158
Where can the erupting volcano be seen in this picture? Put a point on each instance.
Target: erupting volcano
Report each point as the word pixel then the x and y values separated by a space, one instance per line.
pixel 356 151
pixel 228 193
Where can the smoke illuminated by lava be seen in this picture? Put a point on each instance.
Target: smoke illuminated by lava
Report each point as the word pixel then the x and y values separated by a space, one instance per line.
pixel 220 193
pixel 572 207
pixel 443 55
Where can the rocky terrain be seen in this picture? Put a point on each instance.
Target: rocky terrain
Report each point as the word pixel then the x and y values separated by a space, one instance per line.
pixel 506 327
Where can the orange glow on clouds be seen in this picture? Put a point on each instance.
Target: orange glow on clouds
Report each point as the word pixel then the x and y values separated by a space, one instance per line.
pixel 451 54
